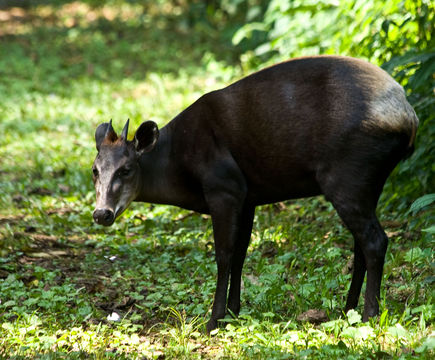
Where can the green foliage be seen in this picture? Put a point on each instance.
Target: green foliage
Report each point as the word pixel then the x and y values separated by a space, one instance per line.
pixel 144 287
pixel 422 202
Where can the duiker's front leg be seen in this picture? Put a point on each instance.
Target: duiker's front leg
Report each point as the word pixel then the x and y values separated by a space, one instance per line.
pixel 242 242
pixel 225 211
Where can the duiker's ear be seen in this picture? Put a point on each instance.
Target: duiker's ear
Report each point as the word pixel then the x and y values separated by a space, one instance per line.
pixel 104 130
pixel 146 137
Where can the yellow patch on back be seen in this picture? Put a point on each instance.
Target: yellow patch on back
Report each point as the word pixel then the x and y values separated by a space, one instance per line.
pixel 390 111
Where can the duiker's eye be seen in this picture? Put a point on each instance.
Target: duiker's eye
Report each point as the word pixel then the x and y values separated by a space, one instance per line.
pixel 95 172
pixel 124 172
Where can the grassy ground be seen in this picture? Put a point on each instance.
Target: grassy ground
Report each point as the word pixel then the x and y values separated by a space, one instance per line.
pixel 144 287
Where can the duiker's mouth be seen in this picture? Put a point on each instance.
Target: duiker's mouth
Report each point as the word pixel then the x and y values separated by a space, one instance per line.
pixel 119 210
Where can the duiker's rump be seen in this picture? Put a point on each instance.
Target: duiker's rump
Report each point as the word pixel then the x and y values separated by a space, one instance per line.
pixel 318 125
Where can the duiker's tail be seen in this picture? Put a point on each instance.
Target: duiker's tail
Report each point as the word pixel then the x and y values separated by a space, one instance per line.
pixel 413 119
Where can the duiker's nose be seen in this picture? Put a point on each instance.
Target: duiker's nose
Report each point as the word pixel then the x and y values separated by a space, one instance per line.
pixel 104 217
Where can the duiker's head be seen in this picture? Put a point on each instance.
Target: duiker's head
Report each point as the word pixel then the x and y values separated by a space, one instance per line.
pixel 116 169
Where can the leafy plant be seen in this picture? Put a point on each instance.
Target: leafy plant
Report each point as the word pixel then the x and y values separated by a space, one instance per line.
pixel 422 202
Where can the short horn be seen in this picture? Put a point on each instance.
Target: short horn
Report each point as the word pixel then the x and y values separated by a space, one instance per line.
pixel 109 128
pixel 124 133
pixel 110 132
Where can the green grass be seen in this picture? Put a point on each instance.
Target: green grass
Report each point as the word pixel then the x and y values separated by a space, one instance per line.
pixel 65 281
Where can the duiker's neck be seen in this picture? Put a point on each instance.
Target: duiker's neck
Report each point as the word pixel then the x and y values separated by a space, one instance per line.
pixel 155 170
pixel 164 180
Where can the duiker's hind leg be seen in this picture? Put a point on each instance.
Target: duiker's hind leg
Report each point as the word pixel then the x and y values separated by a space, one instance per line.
pixel 359 272
pixel 353 181
pixel 355 202
pixel 370 248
